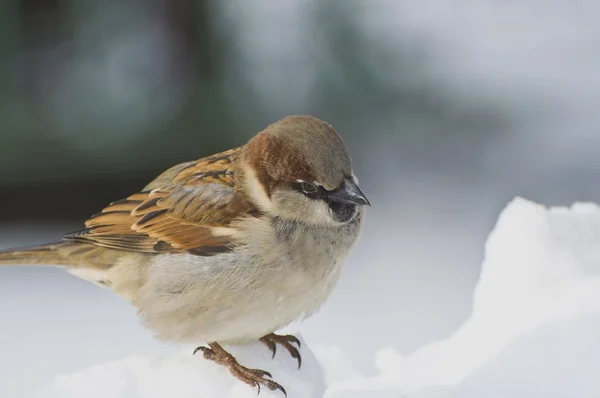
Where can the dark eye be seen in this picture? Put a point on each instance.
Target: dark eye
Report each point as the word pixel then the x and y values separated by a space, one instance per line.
pixel 309 188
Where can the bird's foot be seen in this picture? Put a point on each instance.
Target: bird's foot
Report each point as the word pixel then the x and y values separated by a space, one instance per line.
pixel 271 340
pixel 253 377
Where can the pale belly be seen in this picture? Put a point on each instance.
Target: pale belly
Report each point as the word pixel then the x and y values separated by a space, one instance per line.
pixel 231 298
pixel 198 312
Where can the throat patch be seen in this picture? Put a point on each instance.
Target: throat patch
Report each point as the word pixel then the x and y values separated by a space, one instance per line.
pixel 341 211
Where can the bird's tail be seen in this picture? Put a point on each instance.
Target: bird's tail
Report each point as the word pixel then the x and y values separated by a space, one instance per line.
pixel 59 253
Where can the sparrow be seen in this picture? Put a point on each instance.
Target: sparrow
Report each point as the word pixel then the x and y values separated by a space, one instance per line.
pixel 229 248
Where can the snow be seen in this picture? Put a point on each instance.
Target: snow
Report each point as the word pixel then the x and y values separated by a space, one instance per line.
pixel 535 321
pixel 533 333
pixel 558 360
pixel 184 375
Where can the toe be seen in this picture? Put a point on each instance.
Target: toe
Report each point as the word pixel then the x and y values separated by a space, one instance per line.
pixel 294 340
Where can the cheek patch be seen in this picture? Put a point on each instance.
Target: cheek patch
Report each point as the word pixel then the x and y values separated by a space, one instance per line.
pixel 257 192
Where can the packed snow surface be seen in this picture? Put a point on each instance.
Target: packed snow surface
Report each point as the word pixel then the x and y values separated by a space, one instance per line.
pixel 186 376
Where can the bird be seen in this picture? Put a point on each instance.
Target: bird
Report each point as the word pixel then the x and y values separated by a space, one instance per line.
pixel 229 248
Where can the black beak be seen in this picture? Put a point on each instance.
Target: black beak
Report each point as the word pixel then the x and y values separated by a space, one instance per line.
pixel 349 193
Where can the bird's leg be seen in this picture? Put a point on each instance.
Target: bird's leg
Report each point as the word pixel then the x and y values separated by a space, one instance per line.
pixel 271 340
pixel 253 377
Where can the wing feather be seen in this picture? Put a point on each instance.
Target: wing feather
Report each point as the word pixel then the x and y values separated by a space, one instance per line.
pixel 179 211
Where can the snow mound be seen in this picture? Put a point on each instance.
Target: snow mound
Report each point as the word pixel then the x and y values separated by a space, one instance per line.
pixel 536 313
pixel 557 360
pixel 185 375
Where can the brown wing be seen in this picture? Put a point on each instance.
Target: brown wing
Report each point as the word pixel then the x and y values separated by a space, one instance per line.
pixel 177 212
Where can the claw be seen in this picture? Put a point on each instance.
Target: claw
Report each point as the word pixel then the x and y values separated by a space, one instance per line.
pixel 295 354
pixel 262 373
pixel 271 340
pixel 270 344
pixel 253 377
pixel 294 339
pixel 282 390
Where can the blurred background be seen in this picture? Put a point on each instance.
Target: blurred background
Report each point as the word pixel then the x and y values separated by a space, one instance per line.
pixel 450 109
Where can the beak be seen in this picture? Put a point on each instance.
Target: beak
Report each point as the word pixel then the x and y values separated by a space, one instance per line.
pixel 349 193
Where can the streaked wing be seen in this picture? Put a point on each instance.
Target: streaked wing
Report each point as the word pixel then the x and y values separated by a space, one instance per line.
pixel 177 212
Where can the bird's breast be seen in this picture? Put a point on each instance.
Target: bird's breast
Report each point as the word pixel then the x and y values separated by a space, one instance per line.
pixel 283 273
pixel 314 260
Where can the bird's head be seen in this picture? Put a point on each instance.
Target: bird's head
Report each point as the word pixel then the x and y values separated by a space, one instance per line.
pixel 299 168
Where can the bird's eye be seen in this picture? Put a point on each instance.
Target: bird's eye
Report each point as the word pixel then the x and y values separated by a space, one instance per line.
pixel 309 188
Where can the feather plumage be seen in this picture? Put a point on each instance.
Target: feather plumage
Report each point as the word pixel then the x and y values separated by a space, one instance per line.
pixel 176 212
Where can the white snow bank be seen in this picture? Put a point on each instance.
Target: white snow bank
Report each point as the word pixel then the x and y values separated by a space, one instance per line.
pixel 183 375
pixel 559 360
pixel 536 313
